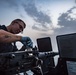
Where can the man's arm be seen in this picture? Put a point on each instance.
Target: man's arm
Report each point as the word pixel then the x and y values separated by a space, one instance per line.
pixel 6 37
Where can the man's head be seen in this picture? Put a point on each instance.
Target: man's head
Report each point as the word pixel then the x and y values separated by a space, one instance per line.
pixel 16 26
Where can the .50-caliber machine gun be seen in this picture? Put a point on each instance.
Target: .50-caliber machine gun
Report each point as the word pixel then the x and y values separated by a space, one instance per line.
pixel 21 61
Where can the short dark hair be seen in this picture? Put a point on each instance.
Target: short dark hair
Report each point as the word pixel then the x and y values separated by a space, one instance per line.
pixel 19 20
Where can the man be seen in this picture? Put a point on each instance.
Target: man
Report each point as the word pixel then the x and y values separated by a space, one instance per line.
pixel 8 36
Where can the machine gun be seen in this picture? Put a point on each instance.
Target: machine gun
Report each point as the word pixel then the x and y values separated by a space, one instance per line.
pixel 16 62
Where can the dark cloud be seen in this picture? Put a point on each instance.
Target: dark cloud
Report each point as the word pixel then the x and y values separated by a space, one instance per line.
pixel 75 1
pixel 10 3
pixel 38 16
pixel 67 23
pixel 43 28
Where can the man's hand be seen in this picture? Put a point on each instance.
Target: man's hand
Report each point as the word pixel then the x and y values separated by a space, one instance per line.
pixel 27 42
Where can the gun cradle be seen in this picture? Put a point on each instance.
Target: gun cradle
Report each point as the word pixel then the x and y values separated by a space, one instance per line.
pixel 21 61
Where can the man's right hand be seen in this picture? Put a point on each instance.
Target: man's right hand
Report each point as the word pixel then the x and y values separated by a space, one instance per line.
pixel 27 42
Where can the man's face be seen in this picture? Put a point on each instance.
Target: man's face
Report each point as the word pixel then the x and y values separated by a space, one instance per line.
pixel 17 27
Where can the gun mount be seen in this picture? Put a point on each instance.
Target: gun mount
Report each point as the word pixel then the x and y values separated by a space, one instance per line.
pixel 21 61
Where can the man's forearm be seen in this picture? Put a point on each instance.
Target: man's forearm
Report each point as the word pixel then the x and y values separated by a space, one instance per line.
pixel 6 37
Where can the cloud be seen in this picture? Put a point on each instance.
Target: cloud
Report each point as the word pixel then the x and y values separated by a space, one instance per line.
pixel 75 1
pixel 11 3
pixel 41 19
pixel 67 22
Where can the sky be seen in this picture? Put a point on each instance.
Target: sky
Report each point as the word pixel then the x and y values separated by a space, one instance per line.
pixel 44 18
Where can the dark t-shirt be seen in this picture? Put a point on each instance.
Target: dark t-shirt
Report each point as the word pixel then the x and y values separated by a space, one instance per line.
pixel 7 47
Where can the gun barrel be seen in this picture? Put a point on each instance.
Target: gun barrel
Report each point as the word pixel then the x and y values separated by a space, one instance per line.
pixel 47 54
